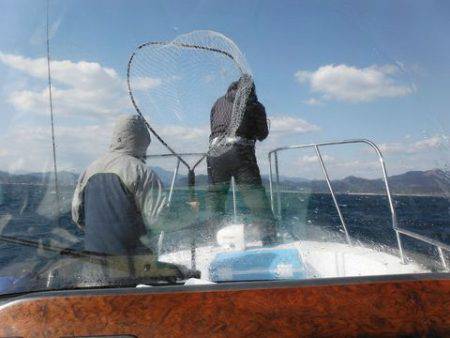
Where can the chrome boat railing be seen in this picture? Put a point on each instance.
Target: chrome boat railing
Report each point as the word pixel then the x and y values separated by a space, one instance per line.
pixel 273 158
pixel 191 181
pixel 177 167
pixel 176 170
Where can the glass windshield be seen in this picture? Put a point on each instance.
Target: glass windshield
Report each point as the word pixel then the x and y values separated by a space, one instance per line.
pixel 192 142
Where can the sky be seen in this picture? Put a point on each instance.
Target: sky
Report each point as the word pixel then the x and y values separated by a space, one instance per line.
pixel 325 71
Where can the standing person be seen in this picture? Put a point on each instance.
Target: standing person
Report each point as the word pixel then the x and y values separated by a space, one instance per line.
pixel 118 197
pixel 239 161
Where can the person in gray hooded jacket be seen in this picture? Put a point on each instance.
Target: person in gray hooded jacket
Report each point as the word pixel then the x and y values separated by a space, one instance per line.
pixel 118 198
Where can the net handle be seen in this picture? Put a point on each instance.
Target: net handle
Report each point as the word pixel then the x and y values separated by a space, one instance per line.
pixel 184 45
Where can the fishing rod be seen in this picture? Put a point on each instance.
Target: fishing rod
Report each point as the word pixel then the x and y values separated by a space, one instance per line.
pixel 52 120
pixel 51 248
pixel 165 272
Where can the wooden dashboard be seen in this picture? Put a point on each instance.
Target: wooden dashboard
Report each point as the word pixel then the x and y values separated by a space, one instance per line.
pixel 413 305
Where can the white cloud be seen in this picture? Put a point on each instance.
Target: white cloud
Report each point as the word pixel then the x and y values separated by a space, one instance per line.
pixel 434 142
pixel 313 102
pixel 289 124
pixel 347 83
pixel 82 73
pixel 393 148
pixel 29 147
pixel 71 102
pixel 308 159
pixel 79 88
pixel 338 167
pixel 332 161
pixel 183 139
pixel 178 134
pixel 146 83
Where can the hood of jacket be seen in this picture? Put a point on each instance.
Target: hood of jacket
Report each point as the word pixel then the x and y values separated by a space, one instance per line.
pixel 231 91
pixel 130 136
pixel 244 80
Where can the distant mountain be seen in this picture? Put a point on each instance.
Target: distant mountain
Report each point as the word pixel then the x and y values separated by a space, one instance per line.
pixel 430 182
pixel 64 178
pixel 288 178
pixel 422 182
pixel 164 175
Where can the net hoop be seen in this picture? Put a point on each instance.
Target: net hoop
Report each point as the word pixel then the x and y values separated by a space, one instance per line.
pixel 245 84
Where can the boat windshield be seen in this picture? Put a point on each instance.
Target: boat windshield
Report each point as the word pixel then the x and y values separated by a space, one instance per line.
pixel 192 142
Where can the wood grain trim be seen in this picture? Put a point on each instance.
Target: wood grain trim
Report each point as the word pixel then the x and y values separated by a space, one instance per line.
pixel 375 309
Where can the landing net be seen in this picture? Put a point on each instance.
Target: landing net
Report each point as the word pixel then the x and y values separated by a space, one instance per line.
pixel 174 85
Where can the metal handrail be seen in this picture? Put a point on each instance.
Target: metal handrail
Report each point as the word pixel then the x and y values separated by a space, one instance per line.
pixel 398 231
pixel 175 174
pixel 172 155
pixel 172 185
pixel 177 167
pixel 439 245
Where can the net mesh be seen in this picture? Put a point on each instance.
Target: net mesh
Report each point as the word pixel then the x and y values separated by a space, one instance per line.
pixel 175 84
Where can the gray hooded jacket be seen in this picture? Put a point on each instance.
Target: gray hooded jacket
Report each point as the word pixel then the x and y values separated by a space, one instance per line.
pixel 118 198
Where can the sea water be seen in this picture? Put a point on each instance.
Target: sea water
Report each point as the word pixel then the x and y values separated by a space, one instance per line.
pixel 30 212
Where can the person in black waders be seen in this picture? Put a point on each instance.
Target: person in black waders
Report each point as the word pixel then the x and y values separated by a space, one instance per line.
pixel 239 161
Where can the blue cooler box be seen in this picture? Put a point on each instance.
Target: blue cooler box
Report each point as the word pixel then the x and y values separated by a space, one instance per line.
pixel 257 264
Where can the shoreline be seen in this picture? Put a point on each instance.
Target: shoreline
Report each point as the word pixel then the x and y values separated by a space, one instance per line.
pixel 205 187
pixel 364 194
